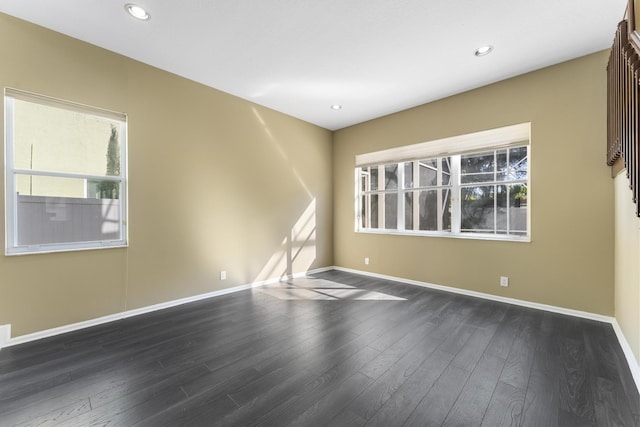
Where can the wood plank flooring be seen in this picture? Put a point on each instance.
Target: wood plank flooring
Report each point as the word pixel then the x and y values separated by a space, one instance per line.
pixel 337 349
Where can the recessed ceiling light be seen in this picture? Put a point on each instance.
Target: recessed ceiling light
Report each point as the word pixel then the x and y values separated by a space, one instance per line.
pixel 336 107
pixel 137 11
pixel 484 50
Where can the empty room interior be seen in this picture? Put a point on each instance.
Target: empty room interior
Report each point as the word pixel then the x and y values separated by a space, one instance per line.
pixel 320 213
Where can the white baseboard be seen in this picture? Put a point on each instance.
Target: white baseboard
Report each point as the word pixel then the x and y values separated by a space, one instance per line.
pixel 523 303
pixel 634 367
pixel 138 311
pixel 5 335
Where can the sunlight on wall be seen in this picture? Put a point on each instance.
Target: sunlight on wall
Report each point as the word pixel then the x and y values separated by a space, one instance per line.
pixel 281 151
pixel 297 251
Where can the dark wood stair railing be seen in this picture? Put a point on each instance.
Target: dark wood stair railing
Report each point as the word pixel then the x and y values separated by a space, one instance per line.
pixel 623 113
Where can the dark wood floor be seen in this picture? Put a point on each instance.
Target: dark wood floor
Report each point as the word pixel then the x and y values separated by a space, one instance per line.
pixel 346 350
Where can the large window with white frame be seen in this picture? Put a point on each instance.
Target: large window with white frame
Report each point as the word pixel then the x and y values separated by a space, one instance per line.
pixel 65 175
pixel 474 185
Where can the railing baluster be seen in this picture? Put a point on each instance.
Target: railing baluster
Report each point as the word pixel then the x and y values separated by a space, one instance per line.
pixel 623 111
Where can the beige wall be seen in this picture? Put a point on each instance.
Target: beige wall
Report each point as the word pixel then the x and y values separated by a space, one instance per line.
pixel 627 264
pixel 216 183
pixel 569 261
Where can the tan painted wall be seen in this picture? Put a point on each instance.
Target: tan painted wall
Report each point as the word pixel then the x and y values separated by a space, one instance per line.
pixel 627 264
pixel 216 183
pixel 569 261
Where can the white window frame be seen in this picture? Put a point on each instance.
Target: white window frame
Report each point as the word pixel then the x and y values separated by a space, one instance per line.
pixel 11 202
pixel 454 147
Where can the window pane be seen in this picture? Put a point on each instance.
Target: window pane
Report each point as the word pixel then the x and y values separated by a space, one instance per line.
pixel 517 165
pixel 391 211
pixel 501 161
pixel 477 167
pixel 435 172
pixel 374 211
pixel 476 163
pixel 446 209
pixel 408 211
pixel 373 176
pixel 446 170
pixel 408 175
pixel 518 209
pixel 64 141
pixel 391 177
pixel 58 210
pixel 435 210
pixel 502 214
pixel 518 162
pixel 428 172
pixel 511 216
pixel 477 209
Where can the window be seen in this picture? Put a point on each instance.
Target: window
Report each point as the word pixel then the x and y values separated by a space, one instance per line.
pixel 65 175
pixel 474 185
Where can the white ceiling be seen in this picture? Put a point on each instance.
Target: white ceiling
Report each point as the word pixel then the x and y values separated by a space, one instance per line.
pixel 374 57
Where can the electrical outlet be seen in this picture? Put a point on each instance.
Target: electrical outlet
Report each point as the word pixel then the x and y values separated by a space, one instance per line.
pixel 366 261
pixel 504 281
pixel 223 275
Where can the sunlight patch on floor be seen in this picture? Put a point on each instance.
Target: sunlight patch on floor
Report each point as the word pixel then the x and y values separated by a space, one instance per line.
pixel 308 288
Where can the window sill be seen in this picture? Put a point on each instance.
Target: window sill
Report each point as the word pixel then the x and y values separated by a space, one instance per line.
pixel 48 249
pixel 466 236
